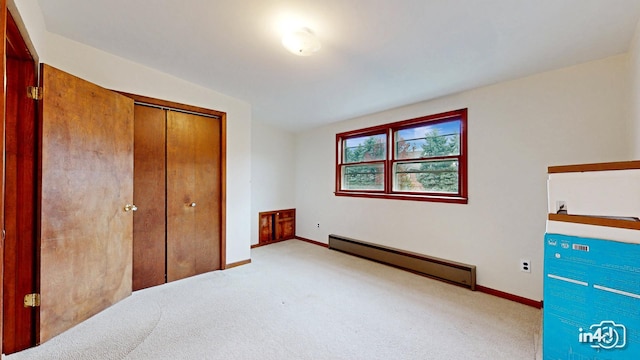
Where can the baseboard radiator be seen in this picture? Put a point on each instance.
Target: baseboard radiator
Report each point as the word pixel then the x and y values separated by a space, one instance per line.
pixel 446 270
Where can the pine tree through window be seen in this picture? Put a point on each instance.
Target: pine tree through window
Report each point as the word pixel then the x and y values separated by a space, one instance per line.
pixel 417 159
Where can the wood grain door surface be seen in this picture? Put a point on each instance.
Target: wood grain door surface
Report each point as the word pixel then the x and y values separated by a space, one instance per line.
pixel 193 194
pixel 285 224
pixel 265 227
pixel 86 179
pixel 149 224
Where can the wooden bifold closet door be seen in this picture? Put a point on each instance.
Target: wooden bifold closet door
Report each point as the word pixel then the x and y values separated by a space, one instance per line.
pixel 149 175
pixel 177 188
pixel 193 195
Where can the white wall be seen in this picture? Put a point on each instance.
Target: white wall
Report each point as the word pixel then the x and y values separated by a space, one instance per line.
pixel 634 61
pixel 117 73
pixel 272 172
pixel 516 130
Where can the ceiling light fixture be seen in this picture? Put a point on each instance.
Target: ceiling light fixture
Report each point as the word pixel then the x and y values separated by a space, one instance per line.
pixel 302 42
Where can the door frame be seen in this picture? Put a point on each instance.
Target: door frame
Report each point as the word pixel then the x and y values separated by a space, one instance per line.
pixel 3 56
pixel 222 116
pixel 19 57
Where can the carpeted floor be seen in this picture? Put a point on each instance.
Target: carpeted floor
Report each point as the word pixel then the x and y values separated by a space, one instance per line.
pixel 301 301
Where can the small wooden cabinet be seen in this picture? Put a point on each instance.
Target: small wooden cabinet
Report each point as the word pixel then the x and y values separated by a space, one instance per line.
pixel 277 225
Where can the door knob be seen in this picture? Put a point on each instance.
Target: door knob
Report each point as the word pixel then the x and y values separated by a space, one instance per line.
pixel 192 204
pixel 130 207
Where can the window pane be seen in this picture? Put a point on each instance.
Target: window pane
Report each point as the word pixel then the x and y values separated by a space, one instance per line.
pixel 425 141
pixel 365 148
pixel 363 177
pixel 427 176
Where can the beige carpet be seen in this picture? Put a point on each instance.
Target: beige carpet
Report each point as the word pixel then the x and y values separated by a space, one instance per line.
pixel 302 301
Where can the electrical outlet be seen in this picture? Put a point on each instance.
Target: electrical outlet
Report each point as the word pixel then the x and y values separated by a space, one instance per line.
pixel 525 265
pixel 318 226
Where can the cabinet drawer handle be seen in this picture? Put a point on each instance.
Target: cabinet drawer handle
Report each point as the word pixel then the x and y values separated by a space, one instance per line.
pixel 192 204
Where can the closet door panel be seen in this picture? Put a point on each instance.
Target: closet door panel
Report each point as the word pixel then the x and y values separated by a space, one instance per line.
pixel 149 196
pixel 207 191
pixel 193 195
pixel 180 194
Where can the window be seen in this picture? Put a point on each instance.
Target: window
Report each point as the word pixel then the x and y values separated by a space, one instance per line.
pixel 418 159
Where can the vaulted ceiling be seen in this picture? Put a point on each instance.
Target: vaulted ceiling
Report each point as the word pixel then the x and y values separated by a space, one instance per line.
pixel 375 55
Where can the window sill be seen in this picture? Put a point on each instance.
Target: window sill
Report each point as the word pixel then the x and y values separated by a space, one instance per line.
pixel 428 198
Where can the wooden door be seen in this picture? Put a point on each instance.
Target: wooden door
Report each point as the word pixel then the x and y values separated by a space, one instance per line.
pixel 265 227
pixel 20 185
pixel 193 194
pixel 86 235
pixel 285 224
pixel 149 242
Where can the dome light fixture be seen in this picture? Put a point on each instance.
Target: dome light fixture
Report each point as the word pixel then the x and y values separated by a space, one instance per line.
pixel 302 42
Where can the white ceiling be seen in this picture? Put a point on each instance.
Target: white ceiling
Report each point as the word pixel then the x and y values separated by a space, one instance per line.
pixel 376 54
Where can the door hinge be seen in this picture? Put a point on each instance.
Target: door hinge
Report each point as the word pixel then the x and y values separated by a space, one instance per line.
pixel 32 300
pixel 34 92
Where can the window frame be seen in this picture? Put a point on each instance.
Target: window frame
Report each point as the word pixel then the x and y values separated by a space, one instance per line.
pixel 373 132
pixel 390 161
